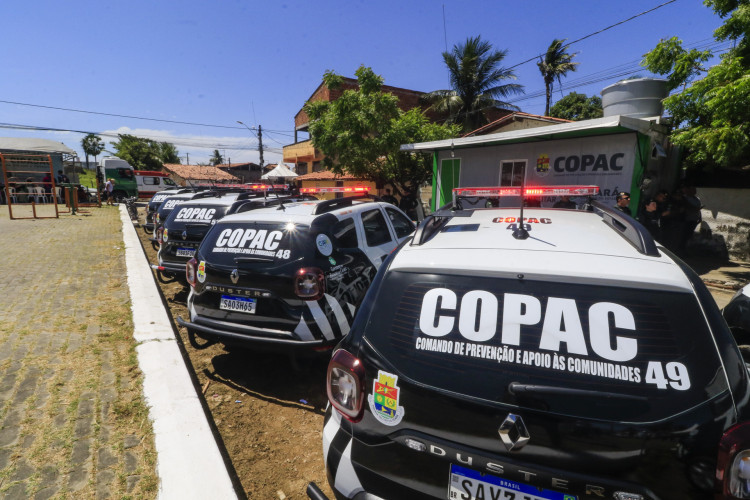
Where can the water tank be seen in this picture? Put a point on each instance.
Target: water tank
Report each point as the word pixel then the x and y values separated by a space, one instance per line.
pixel 639 98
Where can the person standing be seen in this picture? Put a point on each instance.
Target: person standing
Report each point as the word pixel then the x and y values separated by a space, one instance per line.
pixel 62 178
pixel 623 202
pixel 692 216
pixel 109 188
pixel 565 202
pixel 389 198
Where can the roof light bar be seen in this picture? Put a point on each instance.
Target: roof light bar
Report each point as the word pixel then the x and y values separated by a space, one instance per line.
pixel 338 189
pixel 261 187
pixel 527 192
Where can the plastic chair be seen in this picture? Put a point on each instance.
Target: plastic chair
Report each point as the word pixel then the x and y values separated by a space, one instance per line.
pixel 58 194
pixel 12 192
pixel 40 194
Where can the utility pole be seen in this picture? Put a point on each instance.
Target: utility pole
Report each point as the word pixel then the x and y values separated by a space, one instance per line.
pixel 260 140
pixel 260 145
pixel 187 161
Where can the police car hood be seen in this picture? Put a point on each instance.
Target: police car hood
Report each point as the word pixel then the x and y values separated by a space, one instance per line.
pixel 563 245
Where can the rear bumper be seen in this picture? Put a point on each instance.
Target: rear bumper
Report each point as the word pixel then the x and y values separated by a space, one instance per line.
pixel 169 267
pixel 252 336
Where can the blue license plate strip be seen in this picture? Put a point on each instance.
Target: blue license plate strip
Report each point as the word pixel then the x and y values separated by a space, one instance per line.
pixel 468 484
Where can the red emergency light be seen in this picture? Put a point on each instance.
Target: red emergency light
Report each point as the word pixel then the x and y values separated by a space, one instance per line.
pixel 338 189
pixel 527 192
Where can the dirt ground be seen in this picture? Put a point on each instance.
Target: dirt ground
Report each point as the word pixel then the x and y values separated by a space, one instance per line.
pixel 268 412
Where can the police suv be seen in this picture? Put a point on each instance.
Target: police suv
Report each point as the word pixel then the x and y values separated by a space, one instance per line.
pixel 537 354
pixel 153 206
pixel 290 276
pixel 186 225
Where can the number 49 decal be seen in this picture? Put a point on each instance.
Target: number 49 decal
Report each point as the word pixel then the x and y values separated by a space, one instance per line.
pixel 677 374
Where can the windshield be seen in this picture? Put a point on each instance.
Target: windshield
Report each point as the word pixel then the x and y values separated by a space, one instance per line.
pixel 649 349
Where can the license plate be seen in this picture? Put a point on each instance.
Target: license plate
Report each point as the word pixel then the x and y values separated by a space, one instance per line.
pixel 185 252
pixel 468 484
pixel 237 304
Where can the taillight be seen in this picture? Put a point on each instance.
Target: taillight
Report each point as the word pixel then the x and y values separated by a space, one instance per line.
pixel 190 271
pixel 345 384
pixel 309 283
pixel 733 464
pixel 160 234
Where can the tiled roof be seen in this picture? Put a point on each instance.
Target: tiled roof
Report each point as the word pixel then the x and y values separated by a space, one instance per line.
pixel 238 165
pixel 486 129
pixel 199 172
pixel 325 175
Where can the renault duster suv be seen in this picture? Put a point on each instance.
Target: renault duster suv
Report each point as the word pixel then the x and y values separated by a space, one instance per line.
pixel 184 228
pixel 290 276
pixel 537 354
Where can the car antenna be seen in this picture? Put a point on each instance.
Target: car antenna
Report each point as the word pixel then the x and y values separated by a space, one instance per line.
pixel 521 233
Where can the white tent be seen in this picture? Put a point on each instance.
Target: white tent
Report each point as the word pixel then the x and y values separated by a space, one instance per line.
pixel 281 171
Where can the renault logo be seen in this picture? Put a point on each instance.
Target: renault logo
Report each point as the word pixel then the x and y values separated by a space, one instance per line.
pixel 513 432
pixel 235 276
pixel 184 235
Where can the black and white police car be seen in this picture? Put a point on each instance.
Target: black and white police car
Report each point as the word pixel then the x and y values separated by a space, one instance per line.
pixel 153 206
pixel 541 354
pixel 186 225
pixel 290 276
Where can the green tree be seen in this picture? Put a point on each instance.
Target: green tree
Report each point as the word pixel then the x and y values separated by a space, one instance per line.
pixel 144 154
pixel 555 64
pixel 361 132
pixel 92 145
pixel 168 153
pixel 216 158
pixel 477 84
pixel 711 114
pixel 679 65
pixel 575 106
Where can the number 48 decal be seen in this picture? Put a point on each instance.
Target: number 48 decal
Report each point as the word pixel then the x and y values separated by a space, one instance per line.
pixel 676 372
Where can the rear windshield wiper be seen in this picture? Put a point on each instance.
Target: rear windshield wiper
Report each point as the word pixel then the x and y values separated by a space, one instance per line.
pixel 519 389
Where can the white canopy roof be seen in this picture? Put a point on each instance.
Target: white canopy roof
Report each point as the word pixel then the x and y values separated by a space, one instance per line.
pixel 281 170
pixel 31 144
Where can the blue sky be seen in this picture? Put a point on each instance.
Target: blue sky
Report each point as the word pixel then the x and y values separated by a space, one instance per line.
pixel 214 63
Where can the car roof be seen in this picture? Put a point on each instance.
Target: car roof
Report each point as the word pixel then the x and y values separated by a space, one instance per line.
pixel 563 245
pixel 299 211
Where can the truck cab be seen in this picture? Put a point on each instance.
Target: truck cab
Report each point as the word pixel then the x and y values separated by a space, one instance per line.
pixel 123 174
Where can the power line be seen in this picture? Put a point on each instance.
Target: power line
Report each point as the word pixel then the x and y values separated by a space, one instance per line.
pixel 597 32
pixel 57 108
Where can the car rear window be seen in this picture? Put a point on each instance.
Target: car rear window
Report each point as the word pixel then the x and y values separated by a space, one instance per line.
pixel 586 350
pixel 265 242
pixel 192 213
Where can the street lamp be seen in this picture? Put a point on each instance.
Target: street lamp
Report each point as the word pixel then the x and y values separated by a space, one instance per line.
pixel 260 140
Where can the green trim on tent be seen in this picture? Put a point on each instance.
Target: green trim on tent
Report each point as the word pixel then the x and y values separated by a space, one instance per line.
pixel 642 152
pixel 433 201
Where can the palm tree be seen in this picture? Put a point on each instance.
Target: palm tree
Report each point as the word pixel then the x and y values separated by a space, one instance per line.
pixel 555 64
pixel 476 84
pixel 216 159
pixel 92 145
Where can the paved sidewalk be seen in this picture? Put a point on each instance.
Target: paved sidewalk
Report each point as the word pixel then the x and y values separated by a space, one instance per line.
pixel 72 419
pixel 77 417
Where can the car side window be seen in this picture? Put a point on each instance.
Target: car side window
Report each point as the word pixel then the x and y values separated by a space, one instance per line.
pixel 345 234
pixel 376 228
pixel 401 224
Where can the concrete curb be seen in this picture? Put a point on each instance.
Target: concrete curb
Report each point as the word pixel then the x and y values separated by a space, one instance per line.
pixel 189 464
